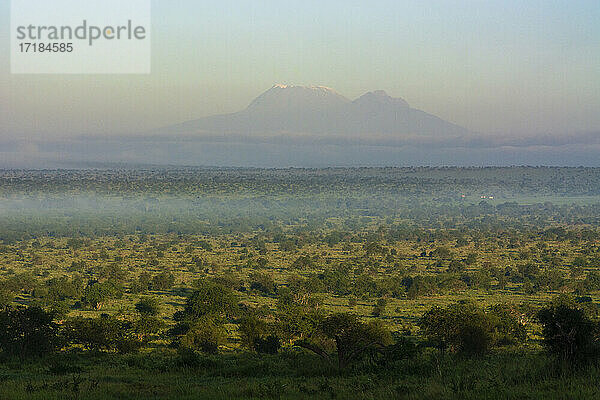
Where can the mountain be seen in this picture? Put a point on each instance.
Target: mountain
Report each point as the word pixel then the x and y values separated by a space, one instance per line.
pixel 308 127
pixel 322 112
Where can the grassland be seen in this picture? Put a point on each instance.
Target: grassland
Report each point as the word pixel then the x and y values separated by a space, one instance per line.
pixel 343 240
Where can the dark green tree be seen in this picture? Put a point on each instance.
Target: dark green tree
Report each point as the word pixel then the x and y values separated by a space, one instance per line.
pixel 27 332
pixel 345 338
pixel 568 332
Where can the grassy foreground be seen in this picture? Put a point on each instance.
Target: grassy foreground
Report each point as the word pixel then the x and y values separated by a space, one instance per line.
pixel 293 375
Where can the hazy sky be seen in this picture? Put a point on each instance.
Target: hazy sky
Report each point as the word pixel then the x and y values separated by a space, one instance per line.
pixel 519 67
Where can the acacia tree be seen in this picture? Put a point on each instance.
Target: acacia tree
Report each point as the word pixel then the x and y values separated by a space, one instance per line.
pixel 212 299
pixel 97 293
pixel 200 324
pixel 454 328
pixel 345 338
pixel 105 332
pixel 465 328
pixel 298 315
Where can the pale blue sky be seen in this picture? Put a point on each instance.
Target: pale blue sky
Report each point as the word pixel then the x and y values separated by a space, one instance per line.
pixel 521 67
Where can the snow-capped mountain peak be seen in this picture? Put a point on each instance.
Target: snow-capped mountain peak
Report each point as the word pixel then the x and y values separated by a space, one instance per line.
pixel 282 96
pixel 322 112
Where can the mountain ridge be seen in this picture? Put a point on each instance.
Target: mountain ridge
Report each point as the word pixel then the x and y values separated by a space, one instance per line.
pixel 323 112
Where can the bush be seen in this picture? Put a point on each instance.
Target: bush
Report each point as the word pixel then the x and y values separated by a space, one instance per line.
pixel 466 329
pixel 347 336
pixel 6 297
pixel 268 345
pixel 461 328
pixel 96 293
pixel 187 357
pixel 474 339
pixel 163 281
pixel 27 332
pixel 263 282
pixel 102 333
pixel 506 328
pixel 147 326
pixel 592 281
pixel 379 307
pixel 205 335
pixel 568 332
pixel 403 348
pixel 251 328
pixel 200 323
pixel 142 284
pixel 148 306
pixel 210 299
